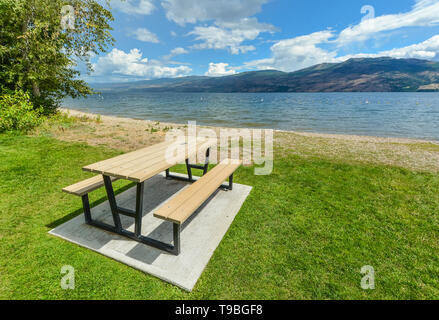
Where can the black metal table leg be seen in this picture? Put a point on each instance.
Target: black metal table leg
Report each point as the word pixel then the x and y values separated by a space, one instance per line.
pixel 177 231
pixel 86 205
pixel 189 168
pixel 112 201
pixel 206 163
pixel 139 208
pixel 138 215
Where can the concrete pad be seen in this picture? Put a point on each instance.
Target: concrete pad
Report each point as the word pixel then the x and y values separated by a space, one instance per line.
pixel 200 235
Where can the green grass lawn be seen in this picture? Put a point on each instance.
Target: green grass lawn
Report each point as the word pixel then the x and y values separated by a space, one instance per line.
pixel 304 232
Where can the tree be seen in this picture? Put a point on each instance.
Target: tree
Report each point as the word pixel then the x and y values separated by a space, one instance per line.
pixel 39 51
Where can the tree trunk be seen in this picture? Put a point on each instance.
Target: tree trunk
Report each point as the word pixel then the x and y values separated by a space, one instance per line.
pixel 35 89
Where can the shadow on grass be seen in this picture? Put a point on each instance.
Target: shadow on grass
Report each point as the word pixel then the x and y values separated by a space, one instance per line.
pixel 80 211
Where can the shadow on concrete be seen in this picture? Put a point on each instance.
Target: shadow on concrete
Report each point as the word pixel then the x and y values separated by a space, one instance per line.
pixel 164 233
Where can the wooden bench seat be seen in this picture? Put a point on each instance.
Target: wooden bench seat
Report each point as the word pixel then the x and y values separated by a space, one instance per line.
pixel 83 188
pixel 182 206
pixel 86 186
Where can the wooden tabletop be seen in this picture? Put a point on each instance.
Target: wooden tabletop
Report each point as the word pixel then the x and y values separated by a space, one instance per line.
pixel 145 163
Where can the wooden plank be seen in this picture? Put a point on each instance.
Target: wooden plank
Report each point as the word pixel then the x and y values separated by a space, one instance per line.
pixel 83 184
pixel 137 159
pixel 147 169
pixel 147 172
pixel 181 207
pixel 86 186
pixel 151 172
pixel 97 165
pixel 192 204
pixel 132 166
pixel 106 164
pixel 100 166
pixel 123 165
pixel 139 165
pixel 193 199
pixel 126 171
pixel 177 201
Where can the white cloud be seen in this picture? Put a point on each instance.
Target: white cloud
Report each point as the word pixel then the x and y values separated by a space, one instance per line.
pixel 175 52
pixel 216 38
pixel 118 65
pixel 230 35
pixel 305 51
pixel 424 3
pixel 424 13
pixel 302 52
pixel 145 35
pixel 192 11
pixel 297 53
pixel 141 7
pixel 232 22
pixel 219 70
pixel 178 51
pixel 428 49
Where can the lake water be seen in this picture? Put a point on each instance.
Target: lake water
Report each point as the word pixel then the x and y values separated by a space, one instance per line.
pixel 410 115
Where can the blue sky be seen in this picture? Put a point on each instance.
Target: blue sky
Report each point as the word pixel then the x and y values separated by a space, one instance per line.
pixel 174 38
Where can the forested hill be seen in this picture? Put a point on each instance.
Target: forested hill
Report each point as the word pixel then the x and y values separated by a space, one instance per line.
pixel 354 75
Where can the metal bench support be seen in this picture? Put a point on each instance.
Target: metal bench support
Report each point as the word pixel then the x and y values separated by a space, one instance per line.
pixel 138 215
pixel 189 168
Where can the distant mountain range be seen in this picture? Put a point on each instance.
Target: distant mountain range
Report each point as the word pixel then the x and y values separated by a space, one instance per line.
pixel 354 75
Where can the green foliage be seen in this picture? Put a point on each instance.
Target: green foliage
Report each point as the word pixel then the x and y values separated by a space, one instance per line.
pixel 39 56
pixel 17 112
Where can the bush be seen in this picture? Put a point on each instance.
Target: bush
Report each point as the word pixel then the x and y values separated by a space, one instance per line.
pixel 17 112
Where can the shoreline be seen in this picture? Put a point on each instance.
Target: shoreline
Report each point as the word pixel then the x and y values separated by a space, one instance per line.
pixel 348 137
pixel 127 134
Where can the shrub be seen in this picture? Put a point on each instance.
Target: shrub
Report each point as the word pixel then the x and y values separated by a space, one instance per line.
pixel 17 112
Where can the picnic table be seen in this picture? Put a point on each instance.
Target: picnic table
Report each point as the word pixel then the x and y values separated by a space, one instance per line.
pixel 143 164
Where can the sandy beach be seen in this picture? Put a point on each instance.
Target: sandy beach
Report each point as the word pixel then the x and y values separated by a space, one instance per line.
pixel 130 134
